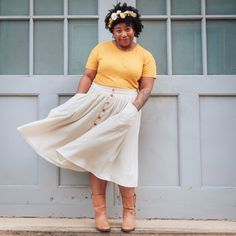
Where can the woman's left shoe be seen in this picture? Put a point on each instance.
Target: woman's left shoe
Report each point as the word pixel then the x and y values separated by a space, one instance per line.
pixel 129 217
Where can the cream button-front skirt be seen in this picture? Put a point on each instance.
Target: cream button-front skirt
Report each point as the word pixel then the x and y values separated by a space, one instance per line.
pixel 95 132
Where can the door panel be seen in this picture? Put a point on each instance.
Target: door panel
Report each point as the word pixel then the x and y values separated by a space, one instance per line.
pixel 188 128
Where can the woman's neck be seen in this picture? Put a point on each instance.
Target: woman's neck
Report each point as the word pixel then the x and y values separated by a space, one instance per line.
pixel 126 48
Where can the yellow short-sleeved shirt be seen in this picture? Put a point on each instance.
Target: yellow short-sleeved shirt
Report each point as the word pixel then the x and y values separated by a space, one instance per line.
pixel 118 68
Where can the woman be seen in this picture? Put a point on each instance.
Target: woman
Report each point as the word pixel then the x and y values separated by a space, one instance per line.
pixel 97 129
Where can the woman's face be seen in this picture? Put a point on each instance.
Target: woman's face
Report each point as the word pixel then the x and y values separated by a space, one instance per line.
pixel 124 35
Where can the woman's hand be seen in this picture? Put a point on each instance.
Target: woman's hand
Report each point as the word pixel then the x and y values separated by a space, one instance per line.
pixel 145 88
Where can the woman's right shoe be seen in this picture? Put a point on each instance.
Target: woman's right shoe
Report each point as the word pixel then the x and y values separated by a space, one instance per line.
pixel 99 204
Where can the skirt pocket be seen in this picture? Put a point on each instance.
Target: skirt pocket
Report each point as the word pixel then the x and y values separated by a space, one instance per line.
pixel 129 114
pixel 67 108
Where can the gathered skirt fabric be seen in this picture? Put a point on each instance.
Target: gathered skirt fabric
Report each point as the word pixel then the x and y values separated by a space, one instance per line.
pixel 95 131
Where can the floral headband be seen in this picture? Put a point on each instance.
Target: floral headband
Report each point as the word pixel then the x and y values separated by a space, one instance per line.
pixel 121 15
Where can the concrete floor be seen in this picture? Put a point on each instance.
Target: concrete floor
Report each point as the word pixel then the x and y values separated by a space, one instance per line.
pixel 67 226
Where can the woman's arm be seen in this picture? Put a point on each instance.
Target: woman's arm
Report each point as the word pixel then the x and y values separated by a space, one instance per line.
pixel 86 81
pixel 145 88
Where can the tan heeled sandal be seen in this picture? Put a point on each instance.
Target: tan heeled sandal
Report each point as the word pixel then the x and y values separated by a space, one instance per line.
pixel 99 204
pixel 129 216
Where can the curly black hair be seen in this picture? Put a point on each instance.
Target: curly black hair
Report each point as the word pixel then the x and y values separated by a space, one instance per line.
pixel 135 22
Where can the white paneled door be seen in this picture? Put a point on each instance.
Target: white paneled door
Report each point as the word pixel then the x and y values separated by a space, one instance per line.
pixel 187 153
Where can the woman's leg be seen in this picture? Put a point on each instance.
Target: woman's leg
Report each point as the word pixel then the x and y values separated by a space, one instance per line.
pixel 98 187
pixel 128 200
